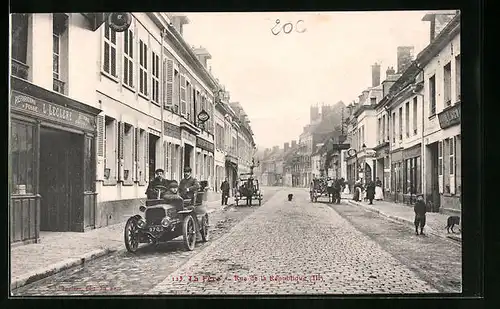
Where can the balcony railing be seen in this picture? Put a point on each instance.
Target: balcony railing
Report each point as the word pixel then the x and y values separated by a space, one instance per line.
pixel 20 69
pixel 58 85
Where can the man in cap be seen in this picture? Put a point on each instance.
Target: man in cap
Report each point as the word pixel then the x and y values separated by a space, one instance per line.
pixel 151 193
pixel 189 185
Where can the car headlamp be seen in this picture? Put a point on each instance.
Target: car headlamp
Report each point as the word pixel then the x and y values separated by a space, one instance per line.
pixel 165 221
pixel 141 223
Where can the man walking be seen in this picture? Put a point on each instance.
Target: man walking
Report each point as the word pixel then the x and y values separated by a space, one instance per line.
pixel 420 211
pixel 225 191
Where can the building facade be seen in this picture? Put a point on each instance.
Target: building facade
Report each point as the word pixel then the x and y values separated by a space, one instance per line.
pixel 105 114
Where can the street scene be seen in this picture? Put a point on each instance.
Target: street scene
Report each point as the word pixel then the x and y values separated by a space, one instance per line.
pixel 272 153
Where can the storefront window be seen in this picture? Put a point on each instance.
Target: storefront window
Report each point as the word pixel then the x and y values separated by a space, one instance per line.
pixel 418 177
pixel 23 158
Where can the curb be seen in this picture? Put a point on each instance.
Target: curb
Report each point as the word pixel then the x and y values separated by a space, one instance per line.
pixel 399 219
pixel 53 269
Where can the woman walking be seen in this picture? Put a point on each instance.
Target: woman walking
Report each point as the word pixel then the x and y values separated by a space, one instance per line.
pixel 379 193
pixel 370 191
pixel 357 191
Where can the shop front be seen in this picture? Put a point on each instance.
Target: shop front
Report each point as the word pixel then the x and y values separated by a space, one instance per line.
pixel 206 151
pixel 396 193
pixel 382 166
pixel 52 160
pixel 412 169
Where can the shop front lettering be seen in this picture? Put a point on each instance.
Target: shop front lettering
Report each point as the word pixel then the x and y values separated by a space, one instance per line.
pixel 449 117
pixel 288 27
pixel 57 112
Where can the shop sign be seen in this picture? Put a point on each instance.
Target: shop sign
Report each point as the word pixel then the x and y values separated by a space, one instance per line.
pixel 205 145
pixel 397 156
pixel 412 152
pixel 172 130
pixel 449 117
pixel 119 22
pixel 51 111
pixel 185 135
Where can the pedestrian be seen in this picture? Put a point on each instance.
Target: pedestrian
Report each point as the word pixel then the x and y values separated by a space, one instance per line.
pixel 330 190
pixel 420 210
pixel 151 192
pixel 379 193
pixel 370 191
pixel 357 191
pixel 224 187
pixel 337 187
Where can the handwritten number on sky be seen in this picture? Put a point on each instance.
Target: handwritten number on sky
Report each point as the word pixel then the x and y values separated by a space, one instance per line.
pixel 288 27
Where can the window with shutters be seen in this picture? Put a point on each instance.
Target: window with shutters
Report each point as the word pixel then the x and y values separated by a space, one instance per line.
pixel 110 149
pixel 183 95
pixel 109 52
pixel 143 68
pixel 415 116
pixel 452 164
pixel 155 77
pixel 400 120
pixel 447 84
pixel 189 114
pixel 379 129
pixel 128 57
pixel 22 155
pixel 176 91
pixel 432 96
pixel 128 152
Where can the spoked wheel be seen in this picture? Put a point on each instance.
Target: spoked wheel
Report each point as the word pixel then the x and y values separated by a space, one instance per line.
pixel 189 232
pixel 131 235
pixel 204 228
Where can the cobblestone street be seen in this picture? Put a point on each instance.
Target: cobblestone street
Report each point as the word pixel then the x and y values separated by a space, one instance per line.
pixel 293 248
pixel 124 273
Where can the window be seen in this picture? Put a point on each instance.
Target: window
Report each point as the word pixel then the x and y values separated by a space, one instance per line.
pixel 415 116
pixel 407 119
pixel 110 144
pixel 432 95
pixel 109 57
pixel 23 158
pixel 58 28
pixel 20 37
pixel 188 101
pixel 379 129
pixel 447 84
pixel 177 85
pixel 128 58
pixel 155 78
pixel 128 152
pixel 400 123
pixel 457 78
pixel 183 95
pixel 143 68
pixel 393 127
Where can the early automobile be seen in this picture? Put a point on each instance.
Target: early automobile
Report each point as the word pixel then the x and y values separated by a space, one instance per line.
pixel 318 189
pixel 167 217
pixel 248 190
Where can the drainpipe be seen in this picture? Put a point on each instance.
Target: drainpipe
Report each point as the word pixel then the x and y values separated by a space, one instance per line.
pixel 162 105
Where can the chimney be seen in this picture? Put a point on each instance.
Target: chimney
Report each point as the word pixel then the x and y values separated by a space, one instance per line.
pixel 203 55
pixel 294 144
pixel 390 71
pixel 391 78
pixel 178 21
pixel 438 20
pixel 405 57
pixel 375 75
pixel 286 146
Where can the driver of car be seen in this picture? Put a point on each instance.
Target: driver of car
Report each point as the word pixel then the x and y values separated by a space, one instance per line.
pixel 151 193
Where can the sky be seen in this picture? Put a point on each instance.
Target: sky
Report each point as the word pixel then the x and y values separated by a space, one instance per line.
pixel 327 57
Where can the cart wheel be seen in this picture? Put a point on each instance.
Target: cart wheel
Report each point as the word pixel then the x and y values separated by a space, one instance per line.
pixel 204 228
pixel 189 232
pixel 131 235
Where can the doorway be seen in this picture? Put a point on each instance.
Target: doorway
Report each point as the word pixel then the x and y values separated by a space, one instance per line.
pixel 188 149
pixel 61 179
pixel 153 139
pixel 434 196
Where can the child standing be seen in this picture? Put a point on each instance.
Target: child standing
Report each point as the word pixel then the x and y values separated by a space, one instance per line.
pixel 420 210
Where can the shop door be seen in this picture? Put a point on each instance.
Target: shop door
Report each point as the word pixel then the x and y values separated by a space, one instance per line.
pixel 61 176
pixel 435 198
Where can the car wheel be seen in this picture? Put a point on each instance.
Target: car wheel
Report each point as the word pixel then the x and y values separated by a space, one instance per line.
pixel 204 228
pixel 189 232
pixel 131 235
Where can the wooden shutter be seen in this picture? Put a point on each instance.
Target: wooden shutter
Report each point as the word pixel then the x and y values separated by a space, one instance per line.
pixel 168 78
pixel 101 135
pixel 452 165
pixel 440 166
pixel 137 161
pixel 183 95
pixel 131 172
pixel 121 131
pixel 146 157
pixel 181 161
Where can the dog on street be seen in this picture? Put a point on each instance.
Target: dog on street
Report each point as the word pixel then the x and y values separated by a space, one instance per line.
pixel 452 221
pixel 290 197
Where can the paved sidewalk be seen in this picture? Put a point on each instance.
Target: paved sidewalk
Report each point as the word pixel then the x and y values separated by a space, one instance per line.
pixel 435 222
pixel 58 251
